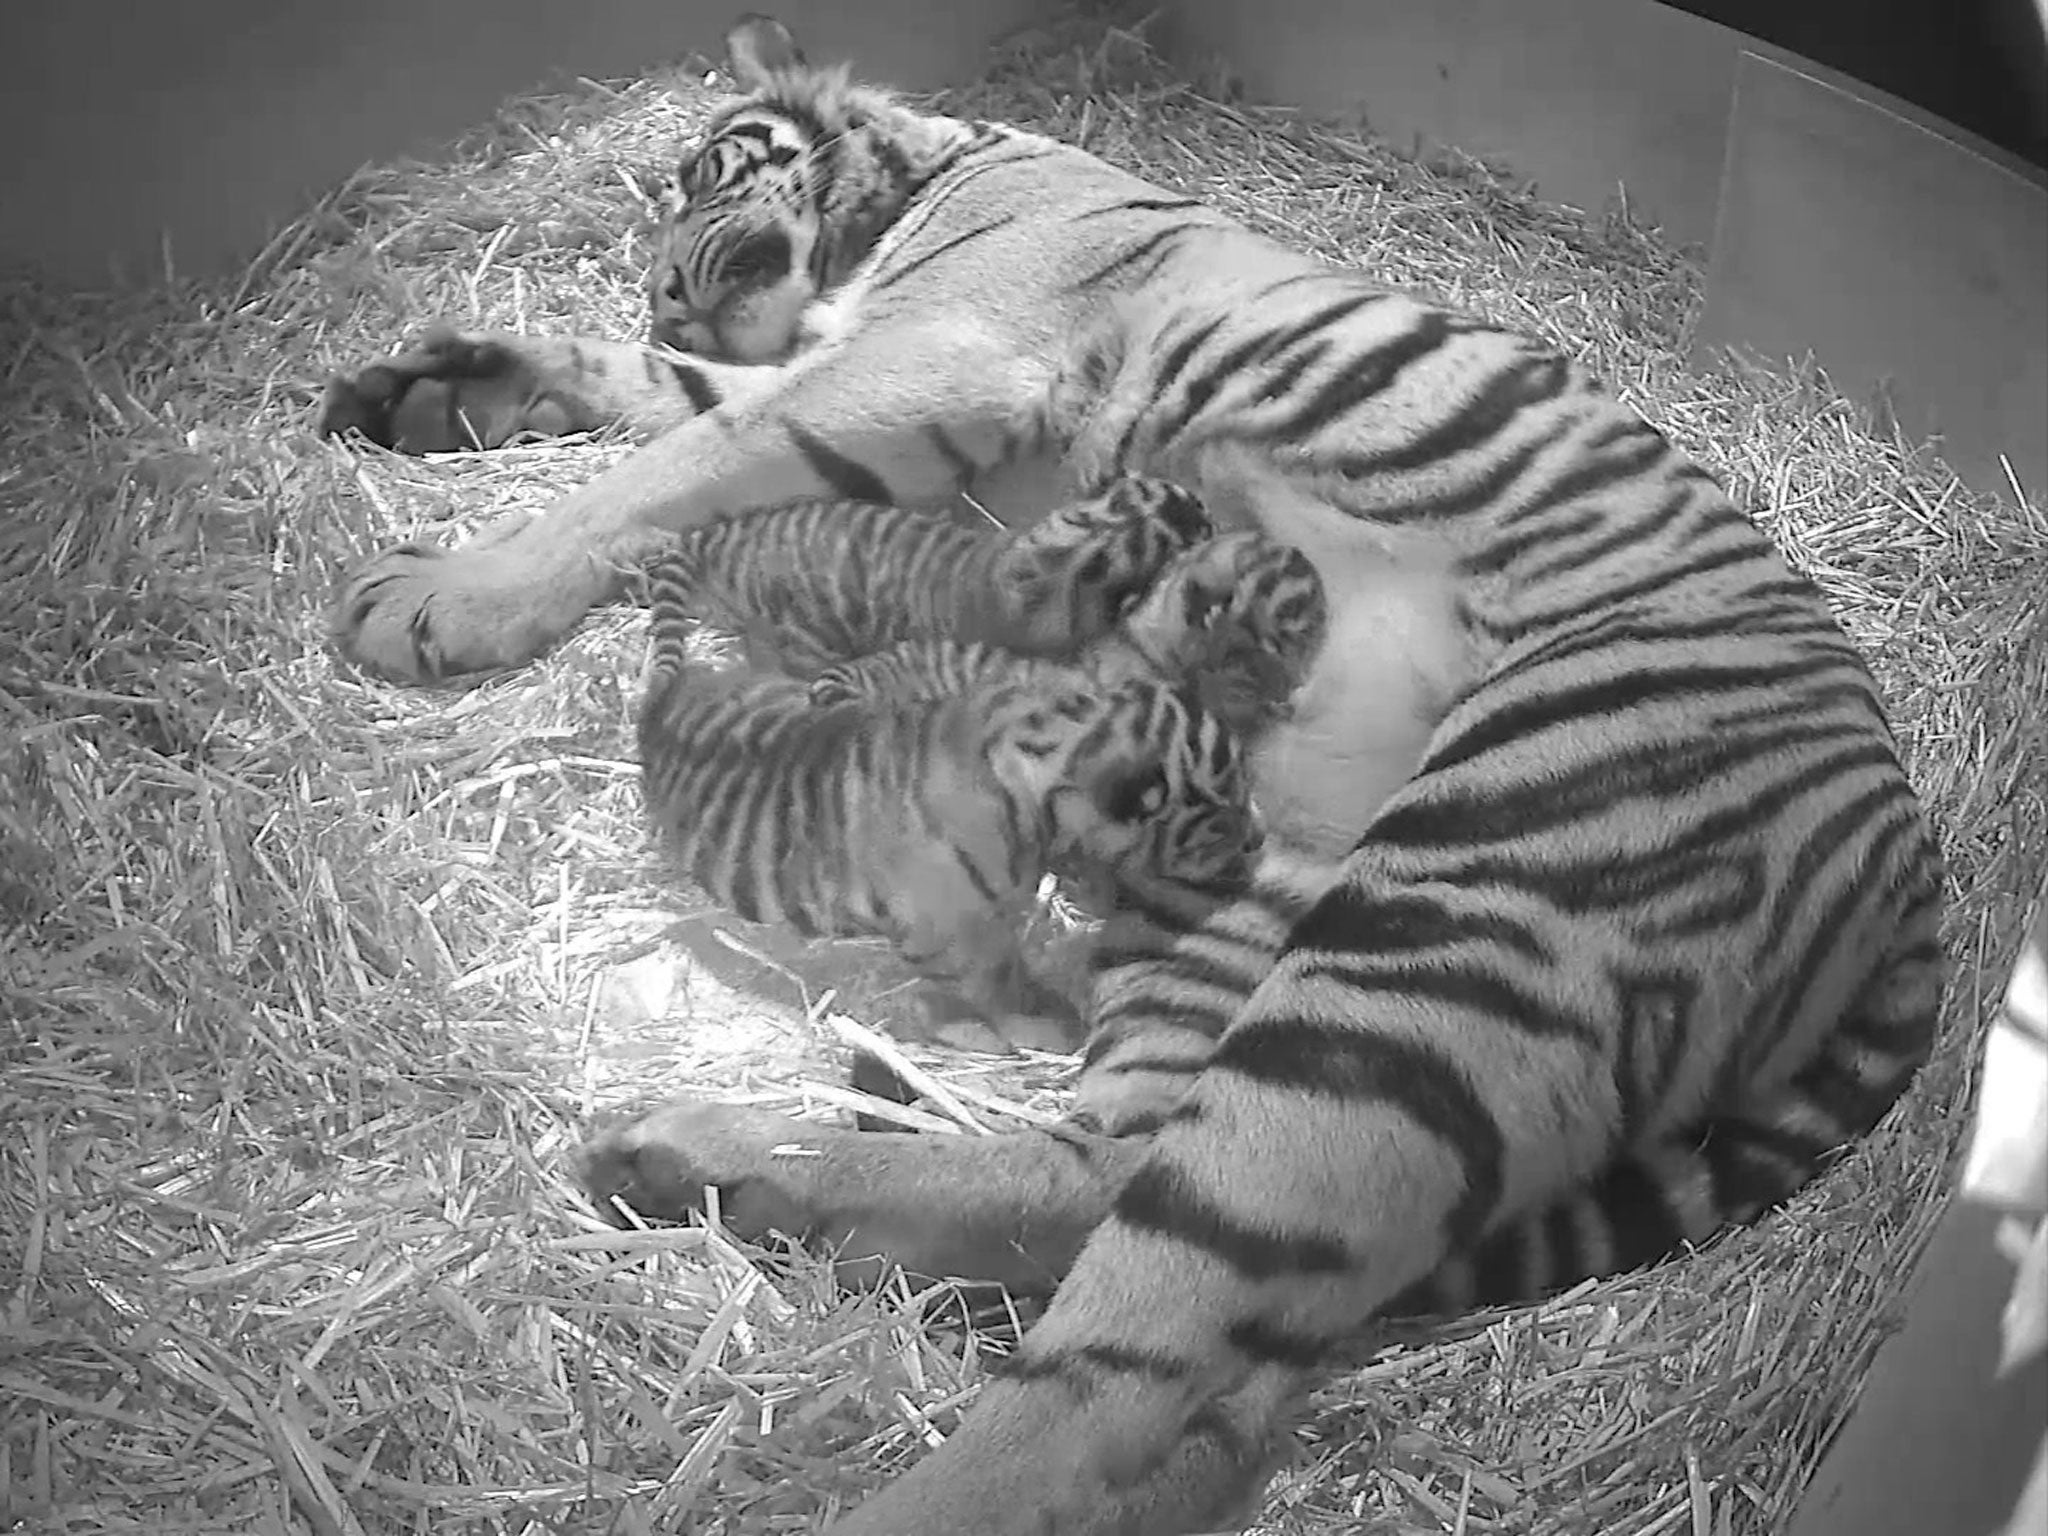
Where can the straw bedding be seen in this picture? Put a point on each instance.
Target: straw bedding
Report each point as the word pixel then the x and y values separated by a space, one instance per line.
pixel 306 983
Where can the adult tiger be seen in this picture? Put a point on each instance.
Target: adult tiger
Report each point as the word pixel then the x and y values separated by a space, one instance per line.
pixel 1609 848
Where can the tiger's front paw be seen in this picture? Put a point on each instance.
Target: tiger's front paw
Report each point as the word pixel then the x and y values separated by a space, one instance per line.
pixel 418 614
pixel 659 1164
pixel 447 392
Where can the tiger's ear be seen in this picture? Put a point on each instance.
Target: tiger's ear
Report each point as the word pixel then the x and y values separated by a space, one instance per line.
pixel 759 48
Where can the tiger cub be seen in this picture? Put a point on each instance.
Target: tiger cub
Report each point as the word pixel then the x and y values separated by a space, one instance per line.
pixel 823 581
pixel 1236 619
pixel 932 821
pixel 1241 617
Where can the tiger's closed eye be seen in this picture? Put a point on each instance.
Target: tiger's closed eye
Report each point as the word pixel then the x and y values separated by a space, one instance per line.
pixel 764 256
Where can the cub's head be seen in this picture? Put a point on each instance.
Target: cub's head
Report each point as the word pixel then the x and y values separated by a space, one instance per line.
pixel 786 193
pixel 1140 783
pixel 1241 618
pixel 1069 578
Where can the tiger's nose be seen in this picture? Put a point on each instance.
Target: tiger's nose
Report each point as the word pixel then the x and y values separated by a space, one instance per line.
pixel 1249 841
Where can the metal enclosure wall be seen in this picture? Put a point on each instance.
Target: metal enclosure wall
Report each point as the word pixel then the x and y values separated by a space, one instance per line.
pixel 1907 256
pixel 208 123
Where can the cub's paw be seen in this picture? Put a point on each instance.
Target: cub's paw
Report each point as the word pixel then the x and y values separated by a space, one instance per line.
pixel 659 1164
pixel 447 392
pixel 1135 1104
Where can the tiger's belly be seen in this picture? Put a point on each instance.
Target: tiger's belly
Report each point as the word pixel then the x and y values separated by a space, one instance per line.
pixel 1359 725
pixel 1397 656
pixel 1020 492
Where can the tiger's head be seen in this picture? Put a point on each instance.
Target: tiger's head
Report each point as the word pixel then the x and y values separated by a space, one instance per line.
pixel 1141 784
pixel 785 194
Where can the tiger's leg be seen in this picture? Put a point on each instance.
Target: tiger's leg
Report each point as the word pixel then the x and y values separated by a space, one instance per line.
pixel 466 391
pixel 456 390
pixel 1010 1210
pixel 1325 1161
pixel 1647 1203
pixel 826 424
pixel 1366 1115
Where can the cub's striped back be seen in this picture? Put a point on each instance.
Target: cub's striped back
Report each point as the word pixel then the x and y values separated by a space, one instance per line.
pixel 1237 620
pixel 923 669
pixel 818 582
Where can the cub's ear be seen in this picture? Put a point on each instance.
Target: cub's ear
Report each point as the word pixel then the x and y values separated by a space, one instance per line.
pixel 760 47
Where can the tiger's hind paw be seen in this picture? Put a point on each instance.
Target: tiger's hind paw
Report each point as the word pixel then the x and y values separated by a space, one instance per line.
pixel 445 393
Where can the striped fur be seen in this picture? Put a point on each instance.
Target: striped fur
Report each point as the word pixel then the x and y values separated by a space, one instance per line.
pixel 1596 907
pixel 823 581
pixel 931 821
pixel 918 669
pixel 1236 620
pixel 1240 619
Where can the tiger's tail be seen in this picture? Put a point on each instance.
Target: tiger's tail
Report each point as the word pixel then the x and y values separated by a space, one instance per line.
pixel 672 590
